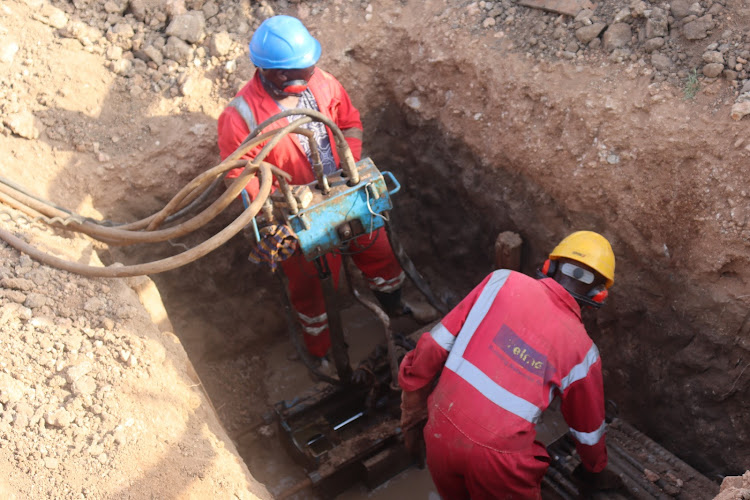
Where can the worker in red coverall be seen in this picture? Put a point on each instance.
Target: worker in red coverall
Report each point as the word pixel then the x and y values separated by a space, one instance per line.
pixel 286 77
pixel 501 356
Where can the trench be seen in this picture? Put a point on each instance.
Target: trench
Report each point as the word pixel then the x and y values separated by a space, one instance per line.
pixel 453 203
pixel 674 336
pixel 227 311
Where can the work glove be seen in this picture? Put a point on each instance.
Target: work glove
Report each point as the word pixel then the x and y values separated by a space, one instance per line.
pixel 591 482
pixel 413 417
pixel 277 243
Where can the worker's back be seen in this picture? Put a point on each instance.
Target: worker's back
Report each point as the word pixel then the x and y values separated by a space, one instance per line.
pixel 522 340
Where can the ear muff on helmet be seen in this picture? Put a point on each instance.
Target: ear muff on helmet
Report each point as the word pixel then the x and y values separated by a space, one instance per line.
pixel 549 268
pixel 598 294
pixel 595 298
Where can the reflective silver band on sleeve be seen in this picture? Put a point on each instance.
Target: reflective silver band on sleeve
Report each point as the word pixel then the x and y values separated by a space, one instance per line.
pixel 590 438
pixel 579 371
pixel 314 331
pixel 316 319
pixel 353 132
pixel 442 337
pixel 313 325
pixel 245 112
pixel 383 285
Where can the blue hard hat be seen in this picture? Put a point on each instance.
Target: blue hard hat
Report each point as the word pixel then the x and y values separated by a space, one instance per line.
pixel 283 42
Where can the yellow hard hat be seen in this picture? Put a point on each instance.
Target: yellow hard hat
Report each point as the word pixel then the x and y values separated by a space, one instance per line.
pixel 589 248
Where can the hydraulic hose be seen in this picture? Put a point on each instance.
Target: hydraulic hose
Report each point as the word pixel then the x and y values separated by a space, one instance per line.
pixel 198 201
pixel 191 192
pixel 224 166
pixel 47 210
pixel 192 195
pixel 157 266
pixel 123 236
pixel 30 212
pixel 349 269
pixel 345 152
pixel 19 188
pixel 186 209
pixel 408 266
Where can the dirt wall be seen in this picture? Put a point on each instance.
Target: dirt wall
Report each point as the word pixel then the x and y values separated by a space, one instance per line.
pixel 96 401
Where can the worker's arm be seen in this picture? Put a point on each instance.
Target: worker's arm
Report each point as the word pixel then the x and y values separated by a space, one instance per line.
pixel 232 131
pixel 583 409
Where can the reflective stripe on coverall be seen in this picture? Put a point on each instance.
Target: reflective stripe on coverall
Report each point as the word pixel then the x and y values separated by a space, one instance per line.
pixel 507 349
pixel 377 261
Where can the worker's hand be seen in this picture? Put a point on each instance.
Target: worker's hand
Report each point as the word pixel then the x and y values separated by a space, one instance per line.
pixel 414 407
pixel 589 482
pixel 277 243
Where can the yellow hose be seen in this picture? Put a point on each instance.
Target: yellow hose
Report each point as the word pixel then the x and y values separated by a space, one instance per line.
pixel 146 230
pixel 157 266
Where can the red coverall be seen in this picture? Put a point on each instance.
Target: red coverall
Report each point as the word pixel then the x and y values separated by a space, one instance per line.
pixel 505 351
pixel 377 263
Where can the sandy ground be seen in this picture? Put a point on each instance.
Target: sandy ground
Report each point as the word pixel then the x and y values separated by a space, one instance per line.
pixel 510 124
pixel 97 402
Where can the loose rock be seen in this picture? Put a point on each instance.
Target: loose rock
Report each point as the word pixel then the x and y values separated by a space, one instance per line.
pixel 23 125
pixel 740 109
pixel 8 50
pixel 617 35
pixel 188 27
pixel 220 44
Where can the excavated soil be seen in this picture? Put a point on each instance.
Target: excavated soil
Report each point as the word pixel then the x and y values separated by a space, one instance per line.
pixel 627 118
